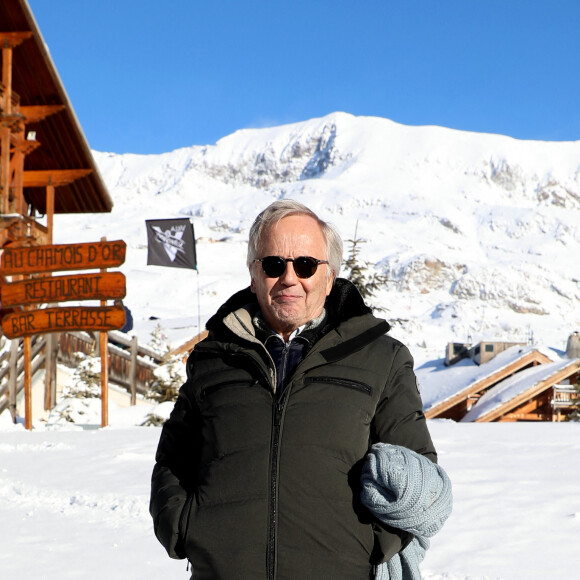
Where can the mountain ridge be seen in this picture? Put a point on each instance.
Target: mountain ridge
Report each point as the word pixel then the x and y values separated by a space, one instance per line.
pixel 477 233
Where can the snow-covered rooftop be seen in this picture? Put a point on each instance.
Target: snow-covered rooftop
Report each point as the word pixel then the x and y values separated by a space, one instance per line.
pixel 439 383
pixel 516 385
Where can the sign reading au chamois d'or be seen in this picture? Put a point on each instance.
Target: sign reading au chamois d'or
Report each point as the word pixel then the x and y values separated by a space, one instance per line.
pixel 53 258
pixel 68 318
pixel 103 286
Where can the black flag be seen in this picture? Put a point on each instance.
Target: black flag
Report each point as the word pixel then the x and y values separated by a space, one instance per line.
pixel 171 243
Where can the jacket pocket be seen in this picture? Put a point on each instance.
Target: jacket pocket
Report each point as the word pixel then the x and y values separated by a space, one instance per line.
pixel 184 517
pixel 212 389
pixel 342 382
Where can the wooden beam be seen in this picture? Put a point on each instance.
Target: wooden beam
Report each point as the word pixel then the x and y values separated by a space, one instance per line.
pixel 24 146
pixel 5 131
pixel 49 210
pixel 36 113
pixel 12 39
pixel 55 177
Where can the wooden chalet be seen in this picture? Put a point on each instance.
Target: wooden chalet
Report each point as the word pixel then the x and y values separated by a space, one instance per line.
pixel 46 165
pixel 484 378
pixel 46 168
pixel 519 383
pixel 541 393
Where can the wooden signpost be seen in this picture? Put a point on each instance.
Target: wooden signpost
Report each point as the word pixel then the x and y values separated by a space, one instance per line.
pixel 47 289
pixel 39 259
pixel 106 286
pixel 71 318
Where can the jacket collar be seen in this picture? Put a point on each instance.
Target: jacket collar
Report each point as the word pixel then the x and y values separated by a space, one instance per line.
pixel 344 302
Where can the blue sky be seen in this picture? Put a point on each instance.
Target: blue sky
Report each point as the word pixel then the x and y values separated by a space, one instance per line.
pixel 150 76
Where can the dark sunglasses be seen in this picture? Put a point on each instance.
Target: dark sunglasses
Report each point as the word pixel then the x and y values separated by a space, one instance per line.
pixel 304 266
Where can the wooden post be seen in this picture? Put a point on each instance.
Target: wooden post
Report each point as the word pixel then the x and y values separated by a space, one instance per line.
pixel 47 371
pixel 5 132
pixel 27 384
pixel 49 209
pixel 104 348
pixel 133 370
pixel 51 349
pixel 9 41
pixel 13 377
pixel 104 378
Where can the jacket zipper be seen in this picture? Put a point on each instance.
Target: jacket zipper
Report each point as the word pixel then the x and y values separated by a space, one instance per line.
pixel 285 352
pixel 356 385
pixel 277 410
pixel 279 402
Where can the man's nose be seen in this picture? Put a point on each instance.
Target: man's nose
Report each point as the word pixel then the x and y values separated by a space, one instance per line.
pixel 288 277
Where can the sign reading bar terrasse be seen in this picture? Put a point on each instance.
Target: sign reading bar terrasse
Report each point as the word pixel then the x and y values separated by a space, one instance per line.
pixel 40 259
pixel 27 323
pixel 103 286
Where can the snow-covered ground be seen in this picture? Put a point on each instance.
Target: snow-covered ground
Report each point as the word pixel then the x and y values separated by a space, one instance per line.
pixel 74 503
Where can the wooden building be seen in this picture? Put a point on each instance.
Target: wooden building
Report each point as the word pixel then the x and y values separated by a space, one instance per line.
pixel 459 404
pixel 543 393
pixel 46 166
pixel 521 383
pixel 479 353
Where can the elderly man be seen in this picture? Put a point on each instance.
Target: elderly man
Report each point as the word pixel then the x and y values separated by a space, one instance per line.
pixel 257 469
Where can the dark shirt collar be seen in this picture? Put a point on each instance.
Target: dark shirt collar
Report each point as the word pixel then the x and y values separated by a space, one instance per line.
pixel 265 333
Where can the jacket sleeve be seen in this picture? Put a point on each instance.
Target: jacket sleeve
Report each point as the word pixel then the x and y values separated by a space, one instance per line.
pixel 174 474
pixel 399 420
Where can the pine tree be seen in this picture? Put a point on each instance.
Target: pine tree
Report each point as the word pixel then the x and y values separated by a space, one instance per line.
pixel 86 379
pixel 159 341
pixel 168 379
pixel 164 389
pixel 357 271
pixel 79 402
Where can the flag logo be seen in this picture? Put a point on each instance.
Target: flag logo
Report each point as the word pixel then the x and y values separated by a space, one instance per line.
pixel 171 243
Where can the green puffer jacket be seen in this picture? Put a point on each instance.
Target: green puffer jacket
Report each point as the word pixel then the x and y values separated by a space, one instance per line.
pixel 249 485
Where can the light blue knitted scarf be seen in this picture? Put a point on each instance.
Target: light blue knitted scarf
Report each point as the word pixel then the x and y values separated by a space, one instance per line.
pixel 406 491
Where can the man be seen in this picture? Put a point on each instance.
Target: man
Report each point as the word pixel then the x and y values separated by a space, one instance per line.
pixel 257 469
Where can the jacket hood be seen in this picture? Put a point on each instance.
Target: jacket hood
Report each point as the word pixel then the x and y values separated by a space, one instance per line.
pixel 343 302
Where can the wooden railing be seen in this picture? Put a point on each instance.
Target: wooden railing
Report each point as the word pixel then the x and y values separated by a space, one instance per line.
pixel 564 396
pixel 131 365
pixel 12 370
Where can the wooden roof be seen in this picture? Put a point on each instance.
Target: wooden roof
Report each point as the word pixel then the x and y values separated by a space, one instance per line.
pixel 486 380
pixel 63 146
pixel 517 390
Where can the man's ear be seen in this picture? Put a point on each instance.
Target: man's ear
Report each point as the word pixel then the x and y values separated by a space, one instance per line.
pixel 252 283
pixel 329 283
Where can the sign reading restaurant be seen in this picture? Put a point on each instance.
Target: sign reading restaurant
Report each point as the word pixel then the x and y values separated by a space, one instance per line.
pixel 103 286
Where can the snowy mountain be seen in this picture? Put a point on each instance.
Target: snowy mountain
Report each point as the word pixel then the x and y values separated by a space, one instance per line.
pixel 479 234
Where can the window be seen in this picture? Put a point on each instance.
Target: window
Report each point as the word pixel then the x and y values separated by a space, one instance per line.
pixel 489 348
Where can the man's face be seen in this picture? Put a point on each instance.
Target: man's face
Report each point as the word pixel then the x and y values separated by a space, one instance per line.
pixel 288 302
